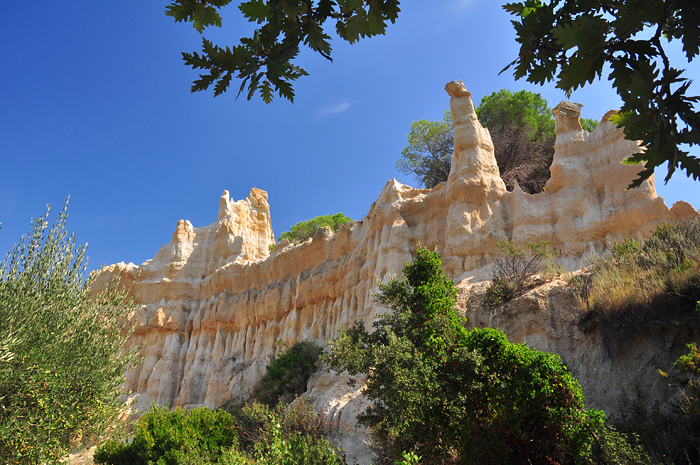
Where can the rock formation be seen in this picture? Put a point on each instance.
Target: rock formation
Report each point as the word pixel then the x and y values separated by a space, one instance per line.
pixel 214 302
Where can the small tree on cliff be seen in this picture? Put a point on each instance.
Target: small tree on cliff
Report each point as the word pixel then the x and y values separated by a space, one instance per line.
pixel 429 152
pixel 61 362
pixel 465 396
pixel 306 229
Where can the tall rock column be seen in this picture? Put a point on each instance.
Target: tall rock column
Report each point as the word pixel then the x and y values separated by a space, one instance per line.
pixel 474 189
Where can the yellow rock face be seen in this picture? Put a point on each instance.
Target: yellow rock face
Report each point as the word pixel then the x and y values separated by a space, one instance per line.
pixel 214 302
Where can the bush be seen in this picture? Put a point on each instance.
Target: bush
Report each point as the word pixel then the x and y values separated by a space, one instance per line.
pixel 285 435
pixel 638 283
pixel 516 266
pixel 288 373
pixel 297 449
pixel 458 396
pixel 61 366
pixel 165 437
pixel 256 419
pixel 306 229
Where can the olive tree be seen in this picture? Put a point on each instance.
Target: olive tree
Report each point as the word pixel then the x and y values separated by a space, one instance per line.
pixel 61 361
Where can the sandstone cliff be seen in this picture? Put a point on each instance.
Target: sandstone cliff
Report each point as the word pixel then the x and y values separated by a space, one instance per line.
pixel 214 302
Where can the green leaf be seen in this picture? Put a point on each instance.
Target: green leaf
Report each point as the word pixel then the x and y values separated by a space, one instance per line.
pixel 514 8
pixel 255 11
pixel 222 85
pixel 317 40
pixel 285 90
pixel 578 71
pixel 325 8
pixel 199 13
pixel 352 29
pixel 586 32
pixel 206 16
pixel 690 23
pixel 266 92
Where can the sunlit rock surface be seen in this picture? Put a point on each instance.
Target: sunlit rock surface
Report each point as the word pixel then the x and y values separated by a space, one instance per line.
pixel 215 302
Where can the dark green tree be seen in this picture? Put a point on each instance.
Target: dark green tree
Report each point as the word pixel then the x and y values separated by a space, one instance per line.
pixel 467 396
pixel 429 152
pixel 522 131
pixel 573 41
pixel 61 362
pixel 265 61
pixel 288 373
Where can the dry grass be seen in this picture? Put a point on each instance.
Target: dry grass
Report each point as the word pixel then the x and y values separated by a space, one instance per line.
pixel 656 280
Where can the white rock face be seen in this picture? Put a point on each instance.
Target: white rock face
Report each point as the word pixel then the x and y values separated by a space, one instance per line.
pixel 214 302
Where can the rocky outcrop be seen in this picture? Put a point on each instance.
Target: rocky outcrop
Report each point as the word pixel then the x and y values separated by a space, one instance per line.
pixel 214 302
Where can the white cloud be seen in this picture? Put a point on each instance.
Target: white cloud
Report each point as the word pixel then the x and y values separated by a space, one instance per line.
pixel 462 5
pixel 333 109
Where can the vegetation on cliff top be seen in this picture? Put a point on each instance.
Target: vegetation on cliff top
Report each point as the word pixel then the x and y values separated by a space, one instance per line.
pixel 624 294
pixel 305 230
pixel 639 282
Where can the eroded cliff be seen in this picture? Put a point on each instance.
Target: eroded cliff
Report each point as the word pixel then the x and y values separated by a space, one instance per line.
pixel 214 301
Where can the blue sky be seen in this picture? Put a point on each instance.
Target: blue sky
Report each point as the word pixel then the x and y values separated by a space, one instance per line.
pixel 95 104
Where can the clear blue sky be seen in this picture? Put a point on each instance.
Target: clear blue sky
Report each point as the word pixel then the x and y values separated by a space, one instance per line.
pixel 95 104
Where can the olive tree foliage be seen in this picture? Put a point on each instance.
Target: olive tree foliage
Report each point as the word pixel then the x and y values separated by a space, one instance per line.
pixel 457 396
pixel 61 365
pixel 264 62
pixel 574 41
pixel 522 131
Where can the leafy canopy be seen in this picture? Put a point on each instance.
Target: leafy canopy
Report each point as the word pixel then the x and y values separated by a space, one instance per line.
pixel 306 229
pixel 527 111
pixel 573 40
pixel 264 62
pixel 61 365
pixel 429 151
pixel 443 392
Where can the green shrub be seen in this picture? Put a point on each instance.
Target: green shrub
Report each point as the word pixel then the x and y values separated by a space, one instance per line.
pixel 256 419
pixel 306 229
pixel 166 437
pixel 285 435
pixel 288 373
pixel 516 266
pixel 449 394
pixel 61 365
pixel 297 449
